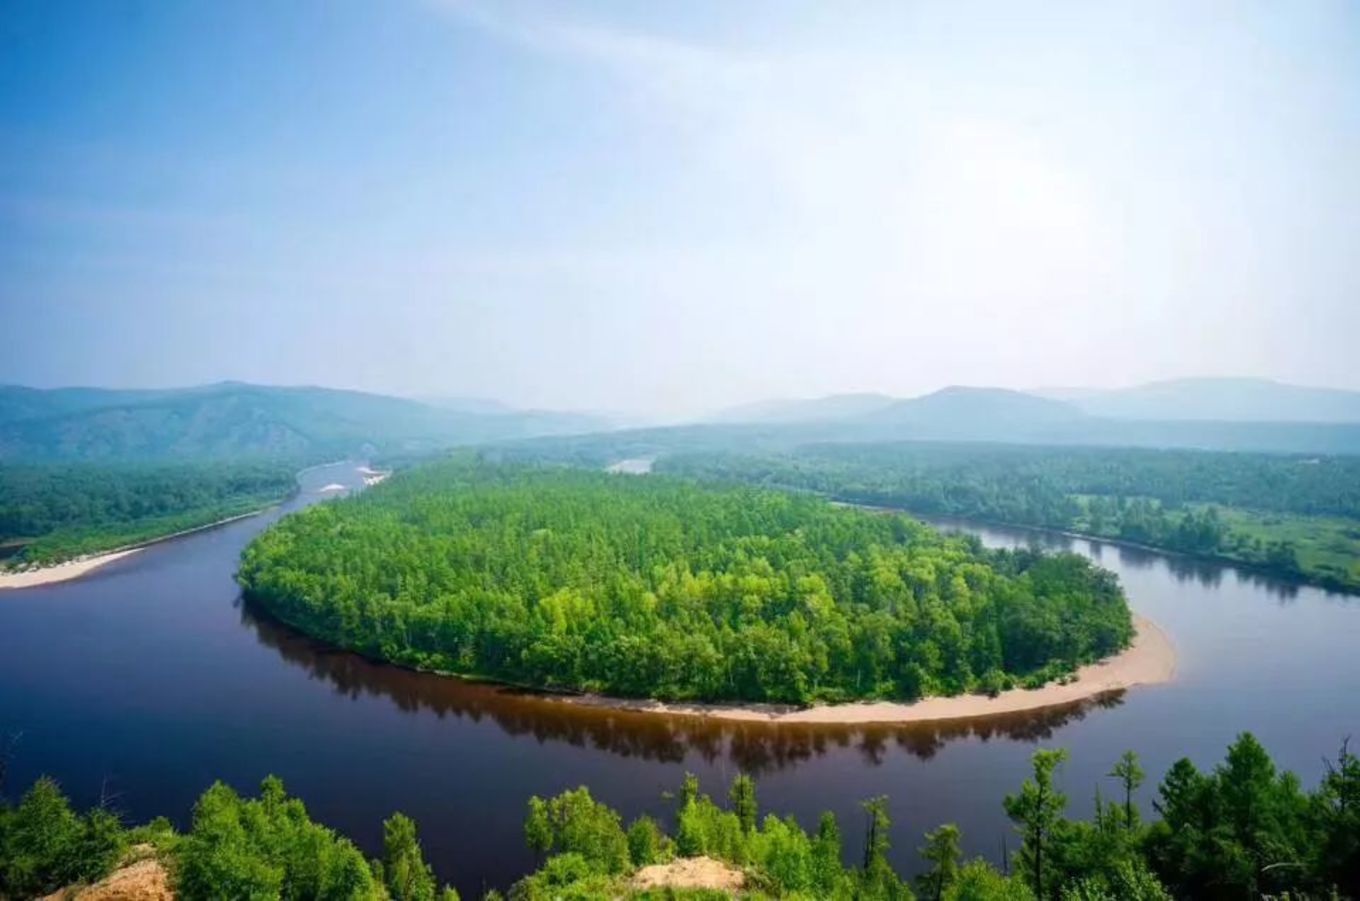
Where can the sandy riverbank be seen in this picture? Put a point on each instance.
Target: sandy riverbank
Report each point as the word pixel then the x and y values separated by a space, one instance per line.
pixel 1149 660
pixel 60 572
pixel 74 569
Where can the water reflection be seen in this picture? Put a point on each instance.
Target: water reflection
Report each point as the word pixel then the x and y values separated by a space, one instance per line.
pixel 756 748
pixel 1184 569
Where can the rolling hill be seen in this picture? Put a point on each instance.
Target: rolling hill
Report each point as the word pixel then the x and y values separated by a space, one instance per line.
pixel 820 409
pixel 238 420
pixel 965 409
pixel 1217 399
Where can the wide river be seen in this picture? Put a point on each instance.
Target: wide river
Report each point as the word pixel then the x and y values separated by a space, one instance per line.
pixel 149 679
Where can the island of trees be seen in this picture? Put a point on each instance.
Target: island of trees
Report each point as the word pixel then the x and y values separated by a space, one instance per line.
pixel 662 588
pixel 1241 830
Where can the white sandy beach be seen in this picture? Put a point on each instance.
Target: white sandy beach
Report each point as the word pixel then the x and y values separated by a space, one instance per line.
pixel 1151 659
pixel 61 572
pixel 74 569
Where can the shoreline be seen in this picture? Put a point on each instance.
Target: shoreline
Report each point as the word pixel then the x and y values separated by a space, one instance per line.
pixel 76 567
pixel 1149 660
pixel 1326 583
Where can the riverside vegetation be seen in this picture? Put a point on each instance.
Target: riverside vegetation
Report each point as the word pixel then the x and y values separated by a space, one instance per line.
pixel 1242 830
pixel 658 587
pixel 53 512
pixel 1296 516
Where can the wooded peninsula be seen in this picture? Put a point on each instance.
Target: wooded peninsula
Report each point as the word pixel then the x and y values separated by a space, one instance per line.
pixel 663 588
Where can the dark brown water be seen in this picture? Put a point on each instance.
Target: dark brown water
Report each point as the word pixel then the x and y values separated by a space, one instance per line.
pixel 149 679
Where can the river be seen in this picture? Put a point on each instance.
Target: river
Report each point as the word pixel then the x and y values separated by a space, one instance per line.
pixel 148 679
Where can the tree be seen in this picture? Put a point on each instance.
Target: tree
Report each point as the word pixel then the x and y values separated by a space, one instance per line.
pixel 877 879
pixel 1336 813
pixel 645 841
pixel 1036 810
pixel 1130 776
pixel 826 854
pixel 405 873
pixel 876 832
pixel 575 823
pixel 941 851
pixel 742 796
pixel 41 842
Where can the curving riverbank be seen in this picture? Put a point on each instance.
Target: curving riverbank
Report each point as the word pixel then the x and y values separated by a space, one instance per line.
pixel 80 566
pixel 1149 660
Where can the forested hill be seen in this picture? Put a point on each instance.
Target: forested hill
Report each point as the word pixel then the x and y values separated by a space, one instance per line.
pixel 657 587
pixel 234 420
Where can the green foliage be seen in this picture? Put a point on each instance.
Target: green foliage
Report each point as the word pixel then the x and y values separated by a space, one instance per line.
pixel 742 796
pixel 1295 516
pixel 45 845
pixel 61 511
pixel 575 823
pixel 404 871
pixel 1130 776
pixel 657 587
pixel 1036 811
pixel 979 881
pixel 646 842
pixel 1336 814
pixel 1242 830
pixel 267 848
pixel 877 880
pixel 941 852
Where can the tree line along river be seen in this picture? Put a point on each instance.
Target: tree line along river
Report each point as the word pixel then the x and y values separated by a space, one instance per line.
pixel 148 679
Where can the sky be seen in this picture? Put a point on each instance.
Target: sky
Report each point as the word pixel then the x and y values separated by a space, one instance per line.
pixel 669 208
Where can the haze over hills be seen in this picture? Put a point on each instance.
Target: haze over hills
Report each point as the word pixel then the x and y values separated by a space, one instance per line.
pixel 1221 399
pixel 1199 399
pixel 820 409
pixel 967 408
pixel 233 419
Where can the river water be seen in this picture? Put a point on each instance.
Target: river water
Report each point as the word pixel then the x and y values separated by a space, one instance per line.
pixel 147 680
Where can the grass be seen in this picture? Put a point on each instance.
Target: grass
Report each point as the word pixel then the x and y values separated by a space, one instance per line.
pixel 1328 547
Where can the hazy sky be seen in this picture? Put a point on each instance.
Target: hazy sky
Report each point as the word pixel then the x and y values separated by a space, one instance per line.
pixel 672 207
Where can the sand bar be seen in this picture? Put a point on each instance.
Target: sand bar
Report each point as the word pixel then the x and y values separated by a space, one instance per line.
pixel 79 566
pixel 1151 659
pixel 60 572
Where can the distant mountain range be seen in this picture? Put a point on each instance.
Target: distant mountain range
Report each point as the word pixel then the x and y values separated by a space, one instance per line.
pixel 1217 399
pixel 1198 399
pixel 1223 414
pixel 234 419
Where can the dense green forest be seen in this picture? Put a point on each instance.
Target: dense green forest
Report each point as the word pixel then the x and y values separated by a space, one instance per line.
pixel 1241 830
pixel 51 512
pixel 1294 516
pixel 657 587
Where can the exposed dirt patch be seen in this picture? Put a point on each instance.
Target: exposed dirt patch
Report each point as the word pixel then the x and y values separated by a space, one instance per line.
pixel 690 872
pixel 141 880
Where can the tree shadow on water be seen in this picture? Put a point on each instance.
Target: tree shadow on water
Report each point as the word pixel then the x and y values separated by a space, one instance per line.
pixel 753 747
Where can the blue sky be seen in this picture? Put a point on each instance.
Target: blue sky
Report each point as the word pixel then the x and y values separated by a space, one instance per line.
pixel 672 207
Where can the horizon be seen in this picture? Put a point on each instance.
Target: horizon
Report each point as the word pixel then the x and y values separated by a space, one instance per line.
pixel 632 419
pixel 667 212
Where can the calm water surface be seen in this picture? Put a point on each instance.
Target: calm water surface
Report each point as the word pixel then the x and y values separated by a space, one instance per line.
pixel 149 679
